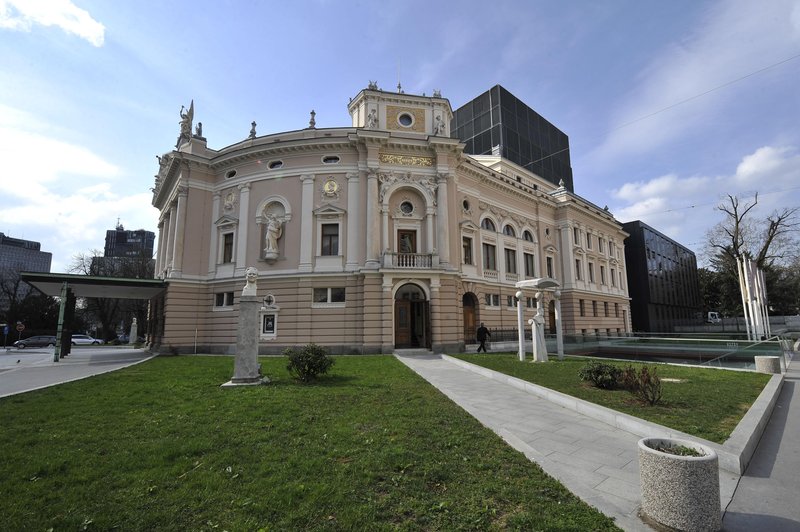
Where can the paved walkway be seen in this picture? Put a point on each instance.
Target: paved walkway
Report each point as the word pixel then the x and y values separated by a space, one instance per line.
pixel 598 462
pixel 23 370
pixel 768 496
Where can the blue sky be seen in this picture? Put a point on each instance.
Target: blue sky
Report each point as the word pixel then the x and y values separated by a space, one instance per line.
pixel 90 92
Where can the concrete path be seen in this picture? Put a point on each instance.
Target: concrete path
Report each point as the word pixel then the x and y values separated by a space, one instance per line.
pixel 594 460
pixel 23 370
pixel 768 496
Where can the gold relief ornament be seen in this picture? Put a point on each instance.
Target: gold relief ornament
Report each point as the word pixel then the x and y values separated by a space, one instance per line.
pixel 330 188
pixel 405 160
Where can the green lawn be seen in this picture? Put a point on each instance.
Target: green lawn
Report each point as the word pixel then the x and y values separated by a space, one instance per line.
pixel 707 403
pixel 160 446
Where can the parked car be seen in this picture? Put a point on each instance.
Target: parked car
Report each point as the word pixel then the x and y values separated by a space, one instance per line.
pixel 85 339
pixel 36 341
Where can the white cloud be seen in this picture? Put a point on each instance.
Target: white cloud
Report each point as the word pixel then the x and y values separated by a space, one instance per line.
pixel 59 193
pixel 22 15
pixel 684 208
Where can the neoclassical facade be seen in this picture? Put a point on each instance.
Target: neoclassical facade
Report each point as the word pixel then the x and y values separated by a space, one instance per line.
pixel 379 236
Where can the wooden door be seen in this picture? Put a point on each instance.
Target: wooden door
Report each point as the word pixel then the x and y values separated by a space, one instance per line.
pixel 402 323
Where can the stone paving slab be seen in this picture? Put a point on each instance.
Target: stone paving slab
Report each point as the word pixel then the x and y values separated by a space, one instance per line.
pixel 596 461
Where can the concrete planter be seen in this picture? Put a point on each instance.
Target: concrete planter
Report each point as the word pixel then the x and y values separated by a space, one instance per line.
pixel 681 492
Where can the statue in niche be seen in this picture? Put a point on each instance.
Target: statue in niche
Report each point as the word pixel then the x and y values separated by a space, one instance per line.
pixel 438 126
pixel 273 233
pixel 372 119
pixel 251 276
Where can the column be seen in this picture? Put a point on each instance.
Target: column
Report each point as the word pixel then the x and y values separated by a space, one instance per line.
pixel 168 253
pixel 385 232
pixel 430 222
pixel 160 248
pixel 353 222
pixel 559 332
pixel 306 222
pixel 567 256
pixel 180 227
pixel 443 219
pixel 241 230
pixel 520 327
pixel 213 243
pixel 372 221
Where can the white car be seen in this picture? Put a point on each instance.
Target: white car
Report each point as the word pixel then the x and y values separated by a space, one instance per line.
pixel 85 339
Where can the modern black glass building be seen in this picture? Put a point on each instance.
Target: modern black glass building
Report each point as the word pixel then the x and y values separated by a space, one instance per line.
pixel 499 123
pixel 125 243
pixel 662 280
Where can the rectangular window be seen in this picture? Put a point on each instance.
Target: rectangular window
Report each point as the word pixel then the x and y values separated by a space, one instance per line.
pixel 511 301
pixel 227 248
pixel 600 245
pixel 466 243
pixel 591 272
pixel 581 307
pixel 588 241
pixel 576 235
pixel 511 260
pixel 602 274
pixel 611 249
pixel 489 260
pixel 550 268
pixel 578 275
pixel 330 239
pixel 530 302
pixel 329 295
pixel 492 300
pixel 529 269
pixel 605 308
pixel 594 308
pixel 613 277
pixel 223 299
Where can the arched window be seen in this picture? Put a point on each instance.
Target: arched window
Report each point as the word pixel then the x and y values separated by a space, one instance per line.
pixel 488 225
pixel 509 231
pixel 527 236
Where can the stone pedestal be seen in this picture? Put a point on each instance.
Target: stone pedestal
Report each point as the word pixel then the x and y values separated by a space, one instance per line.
pixel 768 364
pixel 246 370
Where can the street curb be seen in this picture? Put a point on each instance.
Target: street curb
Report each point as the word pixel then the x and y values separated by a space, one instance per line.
pixel 734 454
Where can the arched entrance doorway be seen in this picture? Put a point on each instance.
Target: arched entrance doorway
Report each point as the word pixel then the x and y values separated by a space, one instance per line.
pixel 469 303
pixel 412 321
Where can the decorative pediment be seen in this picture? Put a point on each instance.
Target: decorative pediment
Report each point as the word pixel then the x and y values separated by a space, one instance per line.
pixel 226 221
pixel 329 211
pixel 550 248
pixel 468 226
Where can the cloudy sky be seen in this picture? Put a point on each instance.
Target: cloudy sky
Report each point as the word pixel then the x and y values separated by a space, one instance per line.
pixel 669 106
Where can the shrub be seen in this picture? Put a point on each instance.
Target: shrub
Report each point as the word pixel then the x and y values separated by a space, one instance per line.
pixel 604 376
pixel 306 363
pixel 648 385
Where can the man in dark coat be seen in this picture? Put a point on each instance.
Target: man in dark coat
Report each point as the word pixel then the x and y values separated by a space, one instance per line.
pixel 482 333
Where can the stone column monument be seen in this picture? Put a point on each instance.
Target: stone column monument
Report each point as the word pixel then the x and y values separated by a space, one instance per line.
pixel 246 369
pixel 133 337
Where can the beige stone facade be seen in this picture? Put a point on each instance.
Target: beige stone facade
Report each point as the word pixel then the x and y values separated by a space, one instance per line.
pixel 374 237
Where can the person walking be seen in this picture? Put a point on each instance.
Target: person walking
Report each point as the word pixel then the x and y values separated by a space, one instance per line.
pixel 482 333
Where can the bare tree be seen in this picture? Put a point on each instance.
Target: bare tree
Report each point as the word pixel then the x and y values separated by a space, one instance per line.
pixel 763 241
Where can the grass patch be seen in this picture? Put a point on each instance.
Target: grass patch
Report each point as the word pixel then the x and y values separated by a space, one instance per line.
pixel 707 403
pixel 159 446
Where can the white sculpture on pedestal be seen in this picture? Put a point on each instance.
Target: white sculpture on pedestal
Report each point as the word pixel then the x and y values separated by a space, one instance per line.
pixel 250 289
